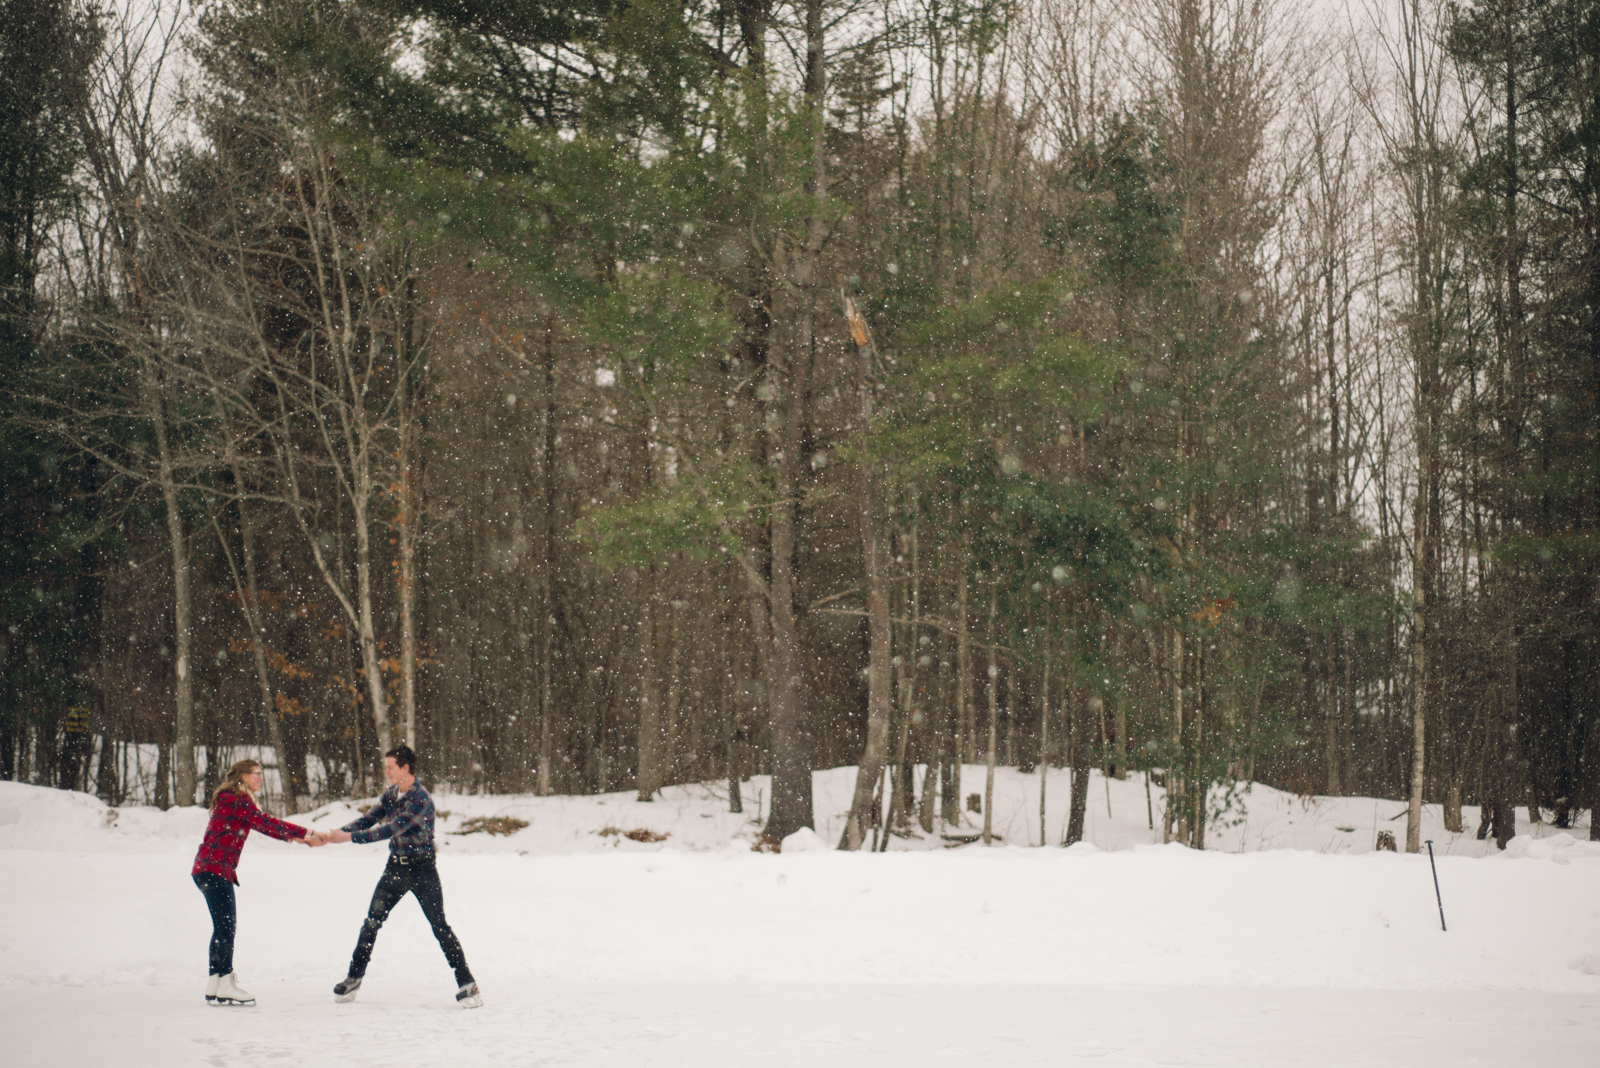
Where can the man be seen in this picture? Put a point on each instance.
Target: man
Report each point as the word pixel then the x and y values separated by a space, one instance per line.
pixel 403 815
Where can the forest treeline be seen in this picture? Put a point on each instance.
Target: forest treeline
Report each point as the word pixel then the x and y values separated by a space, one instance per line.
pixel 599 396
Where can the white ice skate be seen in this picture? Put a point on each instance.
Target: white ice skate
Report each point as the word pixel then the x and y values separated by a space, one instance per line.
pixel 345 989
pixel 230 993
pixel 211 988
pixel 468 997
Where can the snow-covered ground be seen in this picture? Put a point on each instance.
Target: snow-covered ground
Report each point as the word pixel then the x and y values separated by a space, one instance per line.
pixel 1287 942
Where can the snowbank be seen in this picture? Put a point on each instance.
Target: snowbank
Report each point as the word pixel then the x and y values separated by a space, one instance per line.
pixel 695 817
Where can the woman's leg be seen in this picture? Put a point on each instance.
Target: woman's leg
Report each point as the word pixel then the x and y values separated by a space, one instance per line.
pixel 224 919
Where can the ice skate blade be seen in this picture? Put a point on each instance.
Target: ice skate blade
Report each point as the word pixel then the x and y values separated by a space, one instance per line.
pixel 343 998
pixel 473 1001
pixel 232 1003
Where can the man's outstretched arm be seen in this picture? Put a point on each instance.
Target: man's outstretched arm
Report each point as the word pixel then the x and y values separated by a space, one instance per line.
pixel 399 820
pixel 374 815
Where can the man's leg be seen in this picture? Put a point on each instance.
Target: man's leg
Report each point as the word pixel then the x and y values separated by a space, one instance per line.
pixel 430 895
pixel 390 889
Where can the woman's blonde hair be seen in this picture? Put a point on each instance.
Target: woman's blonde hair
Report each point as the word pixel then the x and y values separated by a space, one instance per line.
pixel 234 781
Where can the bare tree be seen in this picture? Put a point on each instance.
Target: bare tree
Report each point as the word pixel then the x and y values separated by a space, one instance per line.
pixel 304 297
pixel 125 125
pixel 1407 92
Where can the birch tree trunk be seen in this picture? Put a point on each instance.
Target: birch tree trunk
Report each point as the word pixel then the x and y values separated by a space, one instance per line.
pixel 358 611
pixel 1415 147
pixel 407 523
pixel 366 620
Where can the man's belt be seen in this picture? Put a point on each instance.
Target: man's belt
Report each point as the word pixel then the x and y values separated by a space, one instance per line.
pixel 411 858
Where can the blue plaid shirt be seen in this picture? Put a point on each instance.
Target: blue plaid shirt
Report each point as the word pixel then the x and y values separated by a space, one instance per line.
pixel 406 819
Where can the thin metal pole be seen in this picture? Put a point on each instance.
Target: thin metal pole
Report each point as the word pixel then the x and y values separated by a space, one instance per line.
pixel 1436 894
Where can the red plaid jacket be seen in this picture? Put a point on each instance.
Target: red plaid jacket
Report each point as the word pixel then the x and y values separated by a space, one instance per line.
pixel 230 824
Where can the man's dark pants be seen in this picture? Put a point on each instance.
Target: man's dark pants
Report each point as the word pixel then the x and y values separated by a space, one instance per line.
pixel 410 875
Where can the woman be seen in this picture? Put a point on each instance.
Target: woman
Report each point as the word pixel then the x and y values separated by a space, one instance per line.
pixel 233 814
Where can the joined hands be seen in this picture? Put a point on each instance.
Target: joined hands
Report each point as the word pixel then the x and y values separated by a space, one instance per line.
pixel 313 839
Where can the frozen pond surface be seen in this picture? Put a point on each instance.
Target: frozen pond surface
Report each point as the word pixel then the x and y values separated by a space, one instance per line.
pixel 593 949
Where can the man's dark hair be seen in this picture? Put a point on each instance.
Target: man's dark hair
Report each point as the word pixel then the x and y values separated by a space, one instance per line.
pixel 404 757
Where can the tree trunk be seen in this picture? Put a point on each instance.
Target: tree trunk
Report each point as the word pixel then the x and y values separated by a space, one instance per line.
pixel 408 518
pixel 547 606
pixel 367 619
pixel 1175 773
pixel 1427 195
pixel 900 777
pixel 1503 776
pixel 106 784
pixel 791 770
pixel 1331 722
pixel 1120 752
pixel 917 706
pixel 957 688
pixel 1078 804
pixel 1198 780
pixel 1594 780
pixel 406 532
pixel 247 590
pixel 652 734
pixel 1418 711
pixel 730 730
pixel 968 747
pixel 675 694
pixel 182 608
pixel 994 726
pixel 164 775
pixel 786 690
pixel 1044 748
pixel 1452 809
pixel 291 777
pixel 859 822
